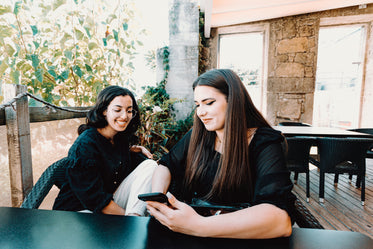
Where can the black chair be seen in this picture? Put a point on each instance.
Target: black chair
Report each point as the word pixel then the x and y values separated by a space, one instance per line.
pixel 343 155
pixel 312 158
pixel 53 175
pixel 297 158
pixel 291 123
pixel 304 218
pixel 367 131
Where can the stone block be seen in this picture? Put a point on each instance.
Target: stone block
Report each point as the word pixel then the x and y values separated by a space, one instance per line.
pixel 289 70
pixel 308 72
pixel 282 58
pixel 289 29
pixel 307 113
pixel 278 35
pixel 291 85
pixel 289 108
pixel 306 30
pixel 301 58
pixel 295 45
pixel 291 57
pixel 271 107
pixel 311 42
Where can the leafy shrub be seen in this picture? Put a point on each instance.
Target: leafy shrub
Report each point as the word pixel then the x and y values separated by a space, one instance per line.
pixel 66 52
pixel 160 130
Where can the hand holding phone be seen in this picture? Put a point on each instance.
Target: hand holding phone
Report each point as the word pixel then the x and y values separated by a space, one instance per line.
pixel 156 196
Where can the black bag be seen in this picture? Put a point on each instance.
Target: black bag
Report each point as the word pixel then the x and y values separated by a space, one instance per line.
pixel 206 208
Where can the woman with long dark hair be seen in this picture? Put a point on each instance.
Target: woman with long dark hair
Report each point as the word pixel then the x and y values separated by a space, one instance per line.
pixel 102 176
pixel 231 157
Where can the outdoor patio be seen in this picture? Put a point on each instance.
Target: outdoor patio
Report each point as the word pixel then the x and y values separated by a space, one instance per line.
pixel 341 209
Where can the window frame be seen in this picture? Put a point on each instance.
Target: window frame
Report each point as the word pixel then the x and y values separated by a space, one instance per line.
pixel 251 28
pixel 363 20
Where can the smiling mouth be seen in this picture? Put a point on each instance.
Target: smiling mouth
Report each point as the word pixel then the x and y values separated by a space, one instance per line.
pixel 206 120
pixel 122 123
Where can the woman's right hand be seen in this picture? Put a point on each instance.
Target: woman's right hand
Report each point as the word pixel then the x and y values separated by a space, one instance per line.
pixel 178 217
pixel 142 149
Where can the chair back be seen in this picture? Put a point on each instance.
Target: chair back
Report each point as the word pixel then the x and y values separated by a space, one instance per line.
pixel 289 123
pixel 363 130
pixel 367 131
pixel 334 151
pixel 298 150
pixel 53 175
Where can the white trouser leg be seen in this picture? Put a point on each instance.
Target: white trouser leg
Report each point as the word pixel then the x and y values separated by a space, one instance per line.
pixel 138 182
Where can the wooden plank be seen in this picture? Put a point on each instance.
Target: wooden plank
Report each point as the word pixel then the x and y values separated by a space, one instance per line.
pixel 44 114
pixel 342 209
pixel 19 144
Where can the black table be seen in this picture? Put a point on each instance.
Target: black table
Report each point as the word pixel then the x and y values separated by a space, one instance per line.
pixel 319 132
pixel 33 228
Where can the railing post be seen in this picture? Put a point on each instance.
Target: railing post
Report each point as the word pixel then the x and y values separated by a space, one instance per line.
pixel 19 143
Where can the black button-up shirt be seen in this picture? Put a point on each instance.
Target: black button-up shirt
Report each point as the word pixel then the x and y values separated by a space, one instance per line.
pixel 95 170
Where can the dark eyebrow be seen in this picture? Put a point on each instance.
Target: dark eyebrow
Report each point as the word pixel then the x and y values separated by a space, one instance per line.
pixel 122 106
pixel 204 100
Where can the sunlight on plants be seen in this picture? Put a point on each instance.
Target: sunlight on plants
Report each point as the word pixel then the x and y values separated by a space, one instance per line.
pixel 66 51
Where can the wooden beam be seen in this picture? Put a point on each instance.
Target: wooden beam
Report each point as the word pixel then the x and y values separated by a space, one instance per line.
pixel 19 144
pixel 44 114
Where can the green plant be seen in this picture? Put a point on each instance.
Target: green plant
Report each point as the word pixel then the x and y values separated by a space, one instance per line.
pixel 160 130
pixel 203 46
pixel 66 52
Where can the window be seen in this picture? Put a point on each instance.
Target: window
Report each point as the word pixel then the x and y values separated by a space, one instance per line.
pixel 243 52
pixel 337 98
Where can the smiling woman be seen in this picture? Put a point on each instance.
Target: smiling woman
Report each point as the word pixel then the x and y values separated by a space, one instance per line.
pixel 102 175
pixel 232 157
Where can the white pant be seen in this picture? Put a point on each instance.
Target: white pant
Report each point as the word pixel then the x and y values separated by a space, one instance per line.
pixel 138 182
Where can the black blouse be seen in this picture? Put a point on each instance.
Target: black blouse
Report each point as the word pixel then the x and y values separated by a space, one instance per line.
pixel 95 170
pixel 272 182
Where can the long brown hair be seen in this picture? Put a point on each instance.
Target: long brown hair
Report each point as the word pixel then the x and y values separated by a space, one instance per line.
pixel 241 114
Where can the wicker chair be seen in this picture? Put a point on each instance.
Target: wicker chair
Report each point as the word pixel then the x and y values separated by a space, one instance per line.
pixel 367 131
pixel 290 123
pixel 343 155
pixel 297 158
pixel 304 218
pixel 53 175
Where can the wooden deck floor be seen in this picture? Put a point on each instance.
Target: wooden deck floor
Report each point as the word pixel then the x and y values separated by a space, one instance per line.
pixel 342 209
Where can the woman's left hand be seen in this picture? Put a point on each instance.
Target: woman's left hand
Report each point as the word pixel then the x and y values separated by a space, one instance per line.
pixel 142 149
pixel 179 217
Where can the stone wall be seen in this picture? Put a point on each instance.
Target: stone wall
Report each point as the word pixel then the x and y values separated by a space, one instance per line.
pixel 291 66
pixel 183 59
pixel 292 61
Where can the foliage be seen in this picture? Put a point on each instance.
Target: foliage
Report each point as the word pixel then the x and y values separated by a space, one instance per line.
pixel 159 130
pixel 247 76
pixel 203 46
pixel 67 50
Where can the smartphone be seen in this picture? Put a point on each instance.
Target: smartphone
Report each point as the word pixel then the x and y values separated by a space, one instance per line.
pixel 156 196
